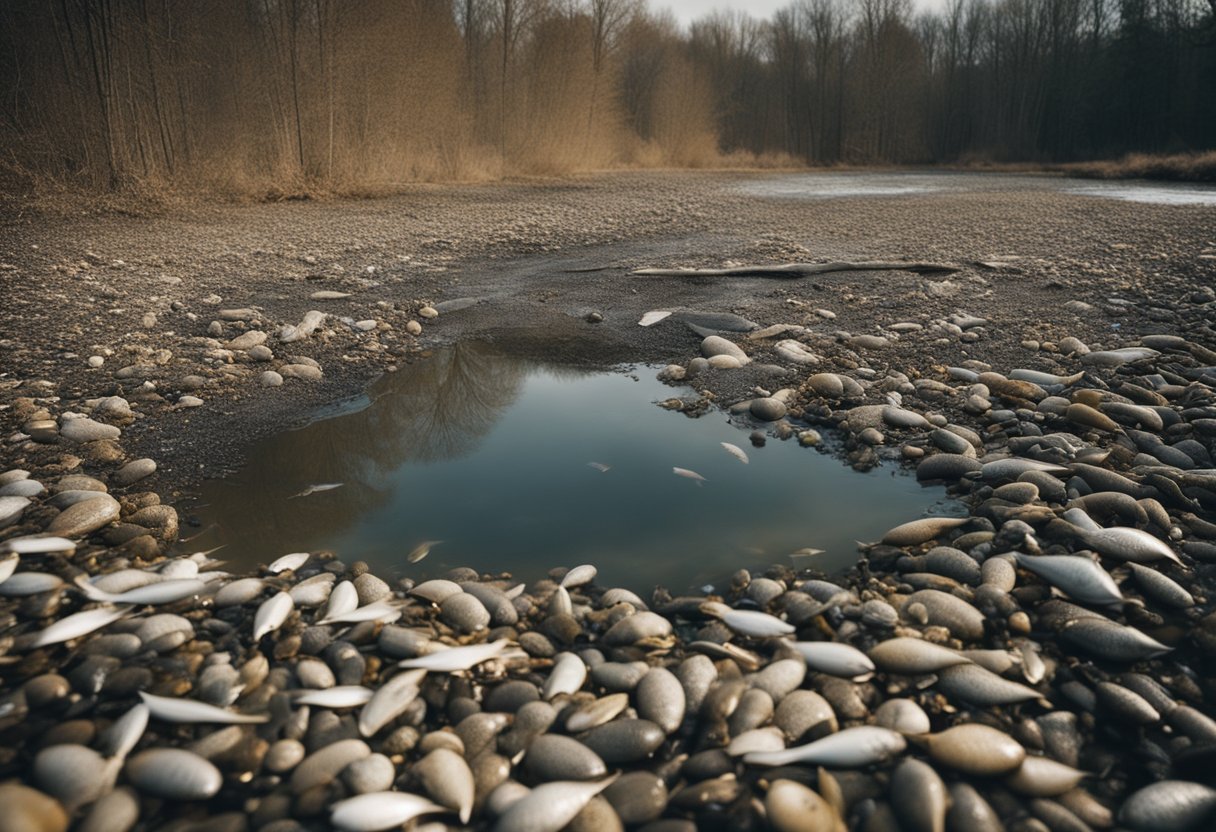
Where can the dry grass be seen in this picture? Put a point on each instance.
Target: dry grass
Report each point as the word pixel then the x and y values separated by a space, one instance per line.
pixel 1179 167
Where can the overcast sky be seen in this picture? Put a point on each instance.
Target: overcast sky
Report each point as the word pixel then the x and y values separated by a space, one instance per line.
pixel 689 10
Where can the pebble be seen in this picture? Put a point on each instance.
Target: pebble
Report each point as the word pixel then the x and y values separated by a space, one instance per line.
pixel 86 517
pixel 84 429
pixel 133 472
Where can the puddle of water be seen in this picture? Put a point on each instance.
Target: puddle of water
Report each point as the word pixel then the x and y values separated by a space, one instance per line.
pixel 490 454
pixel 1153 193
pixel 839 185
pixel 819 186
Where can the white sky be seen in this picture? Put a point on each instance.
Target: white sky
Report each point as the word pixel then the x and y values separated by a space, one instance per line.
pixel 688 10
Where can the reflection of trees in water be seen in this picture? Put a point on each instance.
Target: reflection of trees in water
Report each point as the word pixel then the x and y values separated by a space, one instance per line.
pixel 432 410
pixel 440 408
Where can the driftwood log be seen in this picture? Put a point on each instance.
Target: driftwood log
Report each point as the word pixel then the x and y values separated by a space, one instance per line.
pixel 793 270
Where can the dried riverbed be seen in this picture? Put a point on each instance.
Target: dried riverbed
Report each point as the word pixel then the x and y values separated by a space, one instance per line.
pixel 1044 663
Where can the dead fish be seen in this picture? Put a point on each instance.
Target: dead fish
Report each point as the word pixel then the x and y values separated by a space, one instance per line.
pixel 421 550
pixel 452 659
pixel 37 545
pixel 161 592
pixel 287 563
pixel 568 674
pixel 317 489
pixel 1160 587
pixel 850 748
pixel 125 733
pixel 271 615
pixel 920 531
pixel 172 709
pixel 382 611
pixel 748 622
pixel 601 467
pixel 79 624
pixel 1037 377
pixel 977 686
pixel 653 317
pixel 975 749
pixel 1126 543
pixel 342 696
pixel 579 575
pixel 1169 806
pixel 551 806
pixel 343 598
pixel 687 474
pixel 1076 575
pixel 390 701
pixel 807 552
pixel 835 659
pixel 735 451
pixel 1110 640
pixel 913 656
pixel 380 810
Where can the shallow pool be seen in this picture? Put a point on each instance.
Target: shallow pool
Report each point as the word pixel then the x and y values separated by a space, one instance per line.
pixel 492 455
pixel 852 184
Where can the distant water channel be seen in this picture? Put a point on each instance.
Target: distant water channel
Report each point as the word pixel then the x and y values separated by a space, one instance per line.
pixel 490 454
pixel 840 185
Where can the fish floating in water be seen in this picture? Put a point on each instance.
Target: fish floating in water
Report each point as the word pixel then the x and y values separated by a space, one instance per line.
pixel 736 452
pixel 422 550
pixel 601 467
pixel 317 489
pixel 691 475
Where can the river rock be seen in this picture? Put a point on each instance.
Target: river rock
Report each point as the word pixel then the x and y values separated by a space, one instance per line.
pixel 86 517
pixel 717 345
pixel 768 409
pixel 247 340
pixel 86 430
pixel 134 471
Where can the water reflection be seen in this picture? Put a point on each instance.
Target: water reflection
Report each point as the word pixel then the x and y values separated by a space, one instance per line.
pixel 817 186
pixel 490 454
pixel 435 409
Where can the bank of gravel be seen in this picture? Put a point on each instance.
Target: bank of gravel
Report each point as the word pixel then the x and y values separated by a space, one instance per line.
pixel 945 683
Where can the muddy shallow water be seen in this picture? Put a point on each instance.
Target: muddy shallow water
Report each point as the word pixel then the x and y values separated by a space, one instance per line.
pixel 491 455
pixel 823 186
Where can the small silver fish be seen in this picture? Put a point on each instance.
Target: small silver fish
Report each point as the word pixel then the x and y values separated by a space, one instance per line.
pixel 601 467
pixel 316 489
pixel 736 452
pixel 692 475
pixel 422 550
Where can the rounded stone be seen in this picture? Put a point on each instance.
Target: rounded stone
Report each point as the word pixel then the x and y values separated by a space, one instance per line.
pixel 284 755
pixel 174 774
pixel 638 797
pixel 554 757
pixel 86 517
pixel 134 471
pixel 371 774
pixel 625 740
pixel 768 409
pixel 270 379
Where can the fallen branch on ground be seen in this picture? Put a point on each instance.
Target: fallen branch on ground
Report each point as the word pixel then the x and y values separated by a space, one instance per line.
pixel 791 270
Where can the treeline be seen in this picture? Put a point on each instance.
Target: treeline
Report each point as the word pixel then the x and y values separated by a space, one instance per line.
pixel 284 95
pixel 998 80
